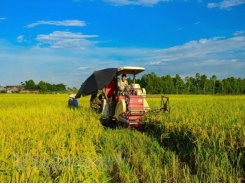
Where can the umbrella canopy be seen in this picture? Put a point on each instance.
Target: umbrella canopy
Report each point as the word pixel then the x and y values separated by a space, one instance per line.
pixel 96 81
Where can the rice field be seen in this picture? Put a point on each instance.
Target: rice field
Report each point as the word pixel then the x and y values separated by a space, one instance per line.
pixel 42 140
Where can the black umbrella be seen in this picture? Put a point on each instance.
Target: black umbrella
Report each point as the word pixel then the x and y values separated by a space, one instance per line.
pixel 96 81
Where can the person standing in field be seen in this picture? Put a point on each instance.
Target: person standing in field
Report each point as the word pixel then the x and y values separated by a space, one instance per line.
pixel 122 84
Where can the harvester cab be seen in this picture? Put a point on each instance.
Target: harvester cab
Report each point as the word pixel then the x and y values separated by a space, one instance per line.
pixel 127 108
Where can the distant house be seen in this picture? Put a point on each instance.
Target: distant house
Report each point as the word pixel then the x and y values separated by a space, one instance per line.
pixel 2 89
pixel 19 87
pixel 13 89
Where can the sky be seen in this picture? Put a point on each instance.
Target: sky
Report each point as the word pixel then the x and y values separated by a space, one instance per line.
pixel 66 41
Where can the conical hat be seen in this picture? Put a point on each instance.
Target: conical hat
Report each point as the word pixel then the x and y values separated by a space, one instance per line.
pixel 72 96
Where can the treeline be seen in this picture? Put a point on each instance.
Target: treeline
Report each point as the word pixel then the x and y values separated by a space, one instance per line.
pixel 44 86
pixel 200 84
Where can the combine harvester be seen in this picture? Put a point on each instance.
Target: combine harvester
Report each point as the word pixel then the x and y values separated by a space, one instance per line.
pixel 128 108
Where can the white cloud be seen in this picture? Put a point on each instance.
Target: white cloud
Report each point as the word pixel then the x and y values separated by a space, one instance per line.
pixel 221 56
pixel 20 38
pixel 210 56
pixel 63 39
pixel 2 18
pixel 58 23
pixel 136 2
pixel 212 5
pixel 82 68
pixel 226 4
pixel 155 63
pixel 238 33
pixel 202 47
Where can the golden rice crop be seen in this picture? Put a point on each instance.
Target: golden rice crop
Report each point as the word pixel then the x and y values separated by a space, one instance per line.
pixel 207 132
pixel 42 140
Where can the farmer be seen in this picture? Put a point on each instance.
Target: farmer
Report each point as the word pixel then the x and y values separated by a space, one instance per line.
pixel 122 84
pixel 72 101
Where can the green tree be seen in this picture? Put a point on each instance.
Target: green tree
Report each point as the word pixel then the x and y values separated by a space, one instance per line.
pixel 179 84
pixel 60 87
pixel 188 84
pixel 193 88
pixel 213 79
pixel 50 87
pixel 168 84
pixel 42 86
pixel 219 86
pixel 227 86
pixel 152 83
pixel 198 78
pixel 243 86
pixel 203 83
pixel 30 84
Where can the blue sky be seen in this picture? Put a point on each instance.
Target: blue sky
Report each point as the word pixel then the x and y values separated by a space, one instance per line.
pixel 65 41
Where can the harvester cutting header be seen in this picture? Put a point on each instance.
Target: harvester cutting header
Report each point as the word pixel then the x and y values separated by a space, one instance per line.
pixel 117 100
